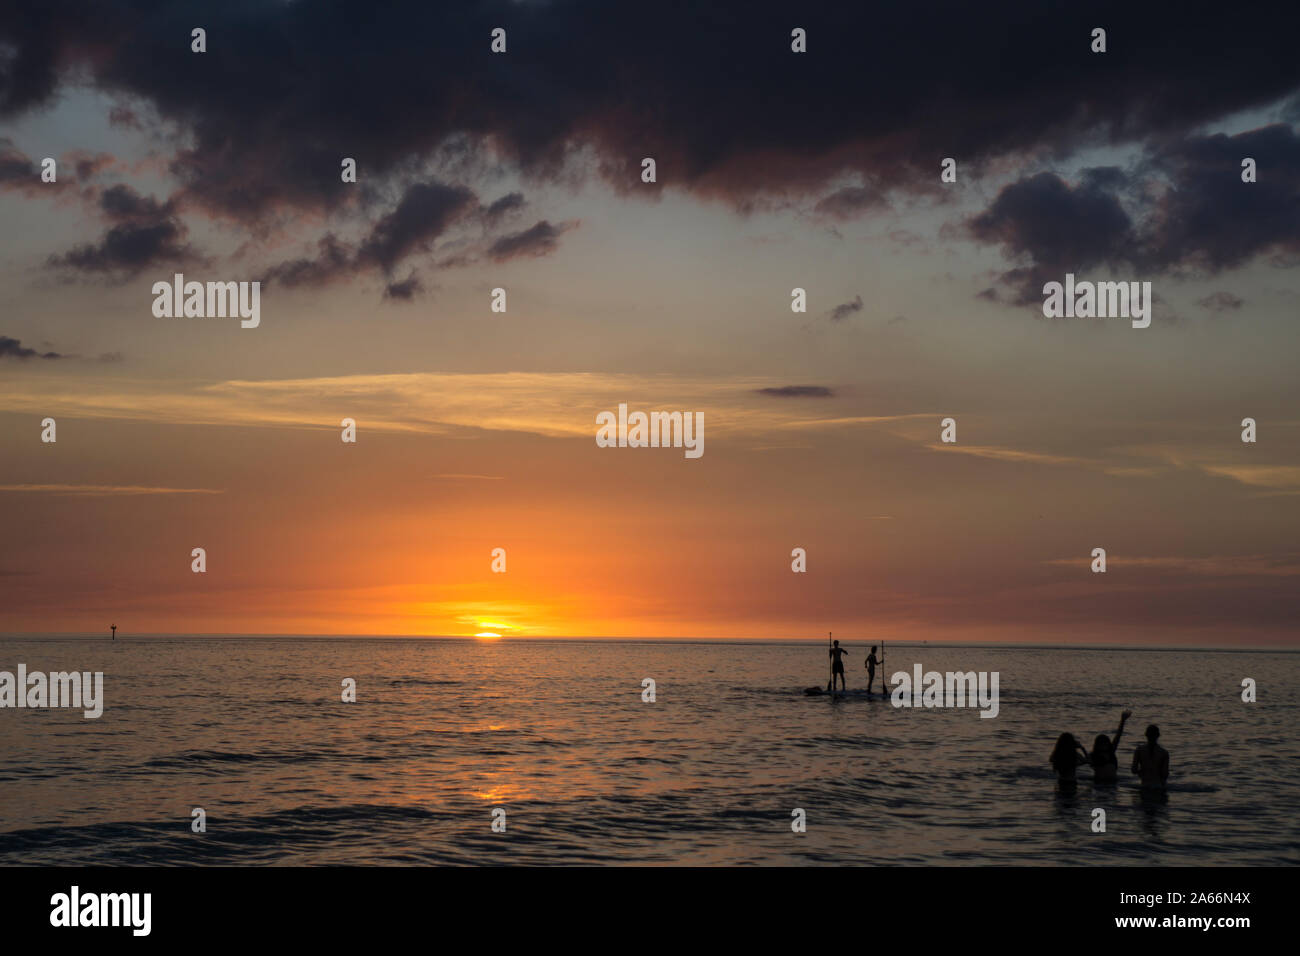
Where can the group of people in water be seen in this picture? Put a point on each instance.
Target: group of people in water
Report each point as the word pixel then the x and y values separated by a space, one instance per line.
pixel 1150 760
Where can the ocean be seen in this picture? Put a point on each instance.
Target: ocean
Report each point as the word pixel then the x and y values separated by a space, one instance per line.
pixel 556 734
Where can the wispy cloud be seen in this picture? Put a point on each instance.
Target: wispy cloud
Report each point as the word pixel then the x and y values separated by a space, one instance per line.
pixel 845 309
pixel 1259 476
pixel 1271 477
pixel 1234 565
pixel 1009 454
pixel 845 420
pixel 537 241
pixel 555 404
pixel 105 491
pixel 797 391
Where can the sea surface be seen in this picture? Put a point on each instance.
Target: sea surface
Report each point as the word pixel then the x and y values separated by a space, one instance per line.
pixel 556 734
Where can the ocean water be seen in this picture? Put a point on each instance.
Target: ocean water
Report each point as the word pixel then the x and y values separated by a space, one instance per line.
pixel 556 733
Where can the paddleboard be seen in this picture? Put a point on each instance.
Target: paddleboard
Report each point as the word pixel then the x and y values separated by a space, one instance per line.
pixel 856 694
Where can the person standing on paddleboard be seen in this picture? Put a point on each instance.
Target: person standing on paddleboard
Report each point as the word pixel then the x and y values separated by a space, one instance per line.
pixel 837 665
pixel 870 664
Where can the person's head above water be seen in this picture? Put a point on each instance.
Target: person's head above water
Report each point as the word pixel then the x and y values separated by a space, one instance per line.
pixel 873 648
pixel 837 643
pixel 1063 752
pixel 1101 747
pixel 1065 744
pixel 1153 733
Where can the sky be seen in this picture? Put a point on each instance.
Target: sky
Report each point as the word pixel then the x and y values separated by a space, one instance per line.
pixel 775 170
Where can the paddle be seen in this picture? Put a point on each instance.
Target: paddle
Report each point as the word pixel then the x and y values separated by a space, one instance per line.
pixel 830 664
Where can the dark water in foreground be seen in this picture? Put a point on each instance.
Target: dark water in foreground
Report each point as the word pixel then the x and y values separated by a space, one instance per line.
pixel 556 733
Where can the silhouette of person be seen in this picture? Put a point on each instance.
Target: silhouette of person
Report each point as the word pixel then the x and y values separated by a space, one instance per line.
pixel 1151 761
pixel 837 667
pixel 114 629
pixel 870 664
pixel 1066 756
pixel 1104 758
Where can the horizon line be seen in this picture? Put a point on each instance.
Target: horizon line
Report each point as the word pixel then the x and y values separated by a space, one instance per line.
pixel 941 643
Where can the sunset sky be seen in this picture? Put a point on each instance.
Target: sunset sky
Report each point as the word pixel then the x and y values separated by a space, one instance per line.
pixel 776 170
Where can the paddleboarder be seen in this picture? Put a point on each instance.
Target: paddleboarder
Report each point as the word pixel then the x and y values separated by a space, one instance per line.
pixel 870 665
pixel 837 665
pixel 114 630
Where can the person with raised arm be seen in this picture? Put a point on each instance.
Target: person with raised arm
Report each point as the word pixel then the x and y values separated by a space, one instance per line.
pixel 1105 754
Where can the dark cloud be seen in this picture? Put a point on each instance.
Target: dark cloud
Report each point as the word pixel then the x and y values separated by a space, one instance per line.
pixel 126 250
pixel 507 204
pixel 424 213
pixel 797 391
pixel 333 261
pixel 89 165
pixel 145 233
pixel 538 240
pixel 17 171
pixel 1209 219
pixel 1220 302
pixel 404 290
pixel 121 202
pixel 287 89
pixel 13 349
pixel 1191 212
pixel 1061 228
pixel 845 309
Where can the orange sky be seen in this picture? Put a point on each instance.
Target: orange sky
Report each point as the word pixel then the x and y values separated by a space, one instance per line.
pixel 906 538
